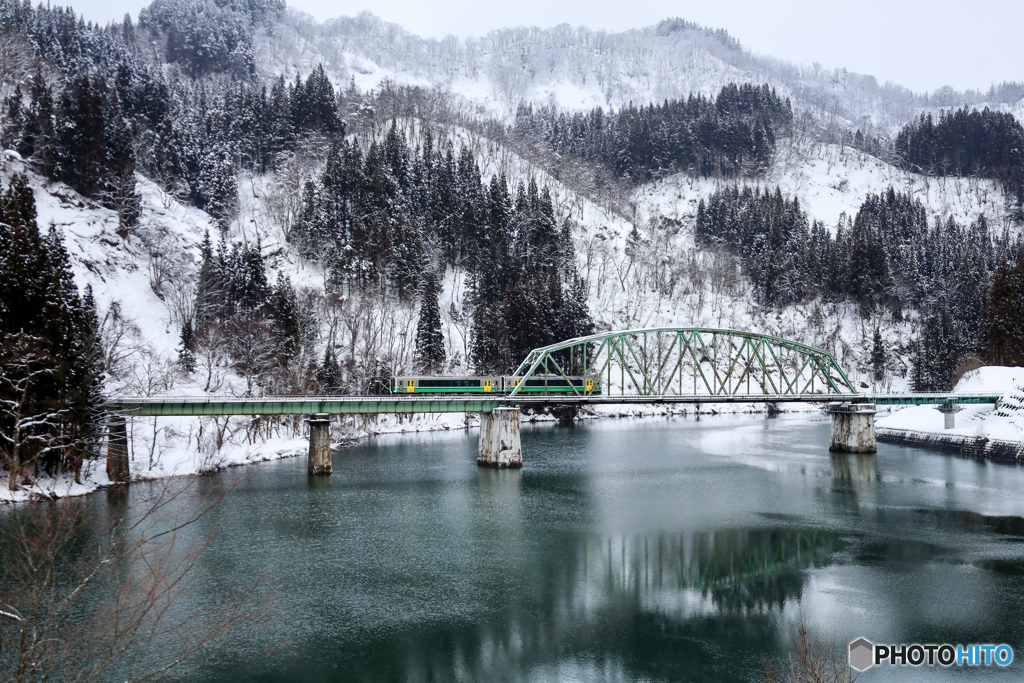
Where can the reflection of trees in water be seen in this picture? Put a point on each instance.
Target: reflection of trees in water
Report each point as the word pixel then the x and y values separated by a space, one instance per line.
pixel 739 569
pixel 675 606
pixel 669 605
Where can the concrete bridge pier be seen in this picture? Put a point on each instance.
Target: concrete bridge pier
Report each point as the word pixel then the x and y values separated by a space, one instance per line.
pixel 499 439
pixel 118 468
pixel 319 460
pixel 949 411
pixel 853 428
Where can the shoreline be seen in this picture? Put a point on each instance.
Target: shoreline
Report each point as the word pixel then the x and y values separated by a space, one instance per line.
pixel 233 455
pixel 977 447
pixel 95 480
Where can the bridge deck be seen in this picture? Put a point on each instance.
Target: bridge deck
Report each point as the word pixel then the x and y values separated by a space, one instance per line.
pixel 335 405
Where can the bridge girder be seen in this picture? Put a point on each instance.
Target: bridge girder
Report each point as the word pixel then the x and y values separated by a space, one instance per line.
pixel 665 361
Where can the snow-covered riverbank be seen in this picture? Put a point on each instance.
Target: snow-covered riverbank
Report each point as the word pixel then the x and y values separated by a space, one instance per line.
pixel 1002 422
pixel 184 446
pixel 168 447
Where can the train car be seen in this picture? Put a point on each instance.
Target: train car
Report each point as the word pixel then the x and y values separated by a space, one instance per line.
pixel 538 384
pixel 552 384
pixel 446 385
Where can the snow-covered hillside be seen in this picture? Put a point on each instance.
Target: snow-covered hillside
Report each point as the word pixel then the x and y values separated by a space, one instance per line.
pixel 578 68
pixel 143 281
pixel 148 275
pixel 831 180
pixel 635 246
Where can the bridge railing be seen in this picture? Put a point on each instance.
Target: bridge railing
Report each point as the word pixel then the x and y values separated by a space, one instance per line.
pixel 340 405
pixel 688 361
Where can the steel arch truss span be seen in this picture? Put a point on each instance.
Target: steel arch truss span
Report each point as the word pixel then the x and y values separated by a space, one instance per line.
pixel 688 361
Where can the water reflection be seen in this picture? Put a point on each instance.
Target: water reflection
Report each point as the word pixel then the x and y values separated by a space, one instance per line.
pixel 663 568
pixel 690 573
pixel 1009 525
pixel 849 469
pixel 671 552
pixel 609 608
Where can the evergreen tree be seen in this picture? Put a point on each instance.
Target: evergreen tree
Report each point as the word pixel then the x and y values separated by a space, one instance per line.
pixel 378 381
pixel 328 375
pixel 1004 322
pixel 118 187
pixel 43 318
pixel 81 159
pixel 430 354
pixel 186 348
pixel 878 356
pixel 284 309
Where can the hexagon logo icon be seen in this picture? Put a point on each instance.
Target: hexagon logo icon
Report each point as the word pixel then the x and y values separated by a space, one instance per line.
pixel 862 654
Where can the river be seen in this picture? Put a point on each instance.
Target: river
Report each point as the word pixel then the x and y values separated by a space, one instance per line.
pixel 669 549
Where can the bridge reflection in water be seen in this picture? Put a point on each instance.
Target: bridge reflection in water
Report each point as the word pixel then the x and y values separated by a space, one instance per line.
pixel 849 469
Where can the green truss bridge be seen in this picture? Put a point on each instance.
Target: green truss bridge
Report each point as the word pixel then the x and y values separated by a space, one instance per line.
pixel 646 366
pixel 686 365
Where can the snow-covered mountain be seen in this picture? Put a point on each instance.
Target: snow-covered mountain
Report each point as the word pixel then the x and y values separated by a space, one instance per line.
pixel 574 68
pixel 578 68
pixel 634 244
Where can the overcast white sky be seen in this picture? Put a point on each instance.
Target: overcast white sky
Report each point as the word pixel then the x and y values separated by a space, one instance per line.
pixel 922 45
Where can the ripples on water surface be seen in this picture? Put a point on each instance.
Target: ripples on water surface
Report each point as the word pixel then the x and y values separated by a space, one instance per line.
pixel 654 550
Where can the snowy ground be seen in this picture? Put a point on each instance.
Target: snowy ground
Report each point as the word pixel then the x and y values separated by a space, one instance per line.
pixel 831 180
pixel 1004 421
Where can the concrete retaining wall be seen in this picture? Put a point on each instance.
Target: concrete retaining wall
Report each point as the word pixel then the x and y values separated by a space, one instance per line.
pixel 974 447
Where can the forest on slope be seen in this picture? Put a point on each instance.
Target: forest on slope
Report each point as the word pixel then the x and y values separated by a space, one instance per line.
pixel 395 219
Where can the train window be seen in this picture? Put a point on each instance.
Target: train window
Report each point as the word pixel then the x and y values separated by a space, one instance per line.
pixel 449 383
pixel 551 382
pixel 556 382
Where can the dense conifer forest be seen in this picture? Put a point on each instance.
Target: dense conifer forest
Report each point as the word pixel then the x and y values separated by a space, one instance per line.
pixel 179 98
pixel 732 134
pixel 889 259
pixel 50 355
pixel 398 217
pixel 963 142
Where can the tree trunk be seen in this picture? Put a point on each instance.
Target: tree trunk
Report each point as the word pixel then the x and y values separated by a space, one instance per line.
pixel 12 484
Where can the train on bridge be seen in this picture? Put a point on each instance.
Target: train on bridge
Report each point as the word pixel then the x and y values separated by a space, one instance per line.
pixel 498 384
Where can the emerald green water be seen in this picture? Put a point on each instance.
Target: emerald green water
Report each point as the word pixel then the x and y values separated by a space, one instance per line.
pixel 624 550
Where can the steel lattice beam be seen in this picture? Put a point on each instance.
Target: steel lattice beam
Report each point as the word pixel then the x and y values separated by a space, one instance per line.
pixel 667 361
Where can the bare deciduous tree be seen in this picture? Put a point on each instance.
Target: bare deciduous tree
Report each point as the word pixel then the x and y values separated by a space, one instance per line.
pixel 813 662
pixel 86 599
pixel 212 356
pixel 118 337
pixel 254 349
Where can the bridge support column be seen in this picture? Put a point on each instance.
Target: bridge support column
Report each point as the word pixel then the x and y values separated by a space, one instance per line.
pixel 499 439
pixel 949 411
pixel 853 428
pixel 118 469
pixel 319 460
